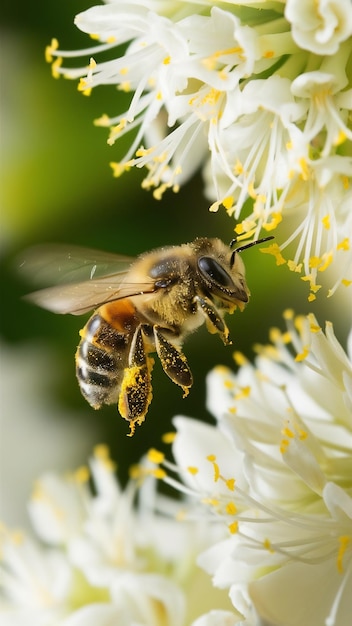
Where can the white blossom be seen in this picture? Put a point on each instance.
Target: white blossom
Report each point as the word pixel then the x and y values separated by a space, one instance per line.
pixel 276 472
pixel 96 558
pixel 257 94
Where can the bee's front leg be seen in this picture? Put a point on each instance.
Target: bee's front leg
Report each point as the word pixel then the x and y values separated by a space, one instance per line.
pixel 136 388
pixel 214 321
pixel 173 361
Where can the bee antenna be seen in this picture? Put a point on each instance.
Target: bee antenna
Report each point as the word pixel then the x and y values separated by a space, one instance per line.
pixel 247 245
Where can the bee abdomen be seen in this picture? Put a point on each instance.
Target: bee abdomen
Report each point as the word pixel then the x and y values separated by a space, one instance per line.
pixel 100 360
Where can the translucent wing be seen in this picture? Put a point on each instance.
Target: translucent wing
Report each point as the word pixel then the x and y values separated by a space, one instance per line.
pixel 55 263
pixel 88 278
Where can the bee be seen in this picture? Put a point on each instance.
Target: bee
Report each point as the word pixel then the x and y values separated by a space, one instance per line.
pixel 141 306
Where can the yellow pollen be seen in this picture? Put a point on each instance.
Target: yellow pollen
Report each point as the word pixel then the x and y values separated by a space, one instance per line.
pixel 304 169
pixel 50 50
pixel 288 314
pixel 341 138
pixel 344 244
pixel 211 501
pixel 168 437
pixel 346 282
pixel 230 484
pixel 55 67
pixel 294 267
pixel 275 335
pixel 154 456
pixel 328 260
pixel 141 152
pixel 244 393
pixel 115 130
pixel 238 168
pixel 167 60
pixel 302 434
pixel 216 472
pixel 286 337
pixel 276 218
pixel 239 358
pixel 288 432
pixel 245 230
pixel 268 54
pixel 82 474
pixel 125 86
pixel 284 445
pixel 344 541
pixel 135 471
pixel 94 36
pixel 345 182
pixel 159 95
pixel 92 64
pixel 83 87
pixel 192 470
pixel 158 194
pixel 111 39
pixel 302 355
pixel 326 222
pixel 159 473
pixel 311 297
pixel 123 71
pixel 101 452
pixel 314 328
pixel 251 192
pixel 228 202
pixel 231 508
pixel 314 261
pixel 104 120
pixel 233 528
pixel 268 546
pixel 274 250
pixel 223 75
pixel 119 168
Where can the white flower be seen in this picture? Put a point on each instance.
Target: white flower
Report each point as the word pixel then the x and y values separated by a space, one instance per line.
pixel 319 26
pixel 276 472
pixel 98 560
pixel 101 558
pixel 258 94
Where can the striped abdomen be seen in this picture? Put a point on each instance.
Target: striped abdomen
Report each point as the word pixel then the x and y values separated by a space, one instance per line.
pixel 103 351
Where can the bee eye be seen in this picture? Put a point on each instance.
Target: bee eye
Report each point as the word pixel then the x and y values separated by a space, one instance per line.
pixel 213 270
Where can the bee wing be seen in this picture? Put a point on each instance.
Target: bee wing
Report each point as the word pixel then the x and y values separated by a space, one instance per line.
pixel 66 265
pixel 57 263
pixel 79 298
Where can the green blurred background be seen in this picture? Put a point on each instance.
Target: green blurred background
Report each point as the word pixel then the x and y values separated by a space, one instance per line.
pixel 57 186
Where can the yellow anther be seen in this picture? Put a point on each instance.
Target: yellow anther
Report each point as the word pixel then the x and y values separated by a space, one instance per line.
pixel 154 456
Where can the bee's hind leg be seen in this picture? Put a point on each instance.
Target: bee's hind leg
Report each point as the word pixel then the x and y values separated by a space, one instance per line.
pixel 173 361
pixel 136 389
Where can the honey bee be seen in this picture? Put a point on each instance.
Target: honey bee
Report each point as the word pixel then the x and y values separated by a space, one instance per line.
pixel 141 306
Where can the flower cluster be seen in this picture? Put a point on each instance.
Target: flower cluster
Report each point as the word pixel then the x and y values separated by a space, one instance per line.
pixel 266 509
pixel 277 472
pixel 258 94
pixel 99 560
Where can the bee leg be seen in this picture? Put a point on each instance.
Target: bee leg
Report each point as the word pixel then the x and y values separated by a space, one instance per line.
pixel 173 361
pixel 214 321
pixel 136 389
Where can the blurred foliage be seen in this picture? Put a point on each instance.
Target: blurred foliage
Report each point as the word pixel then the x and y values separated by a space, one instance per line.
pixel 57 186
